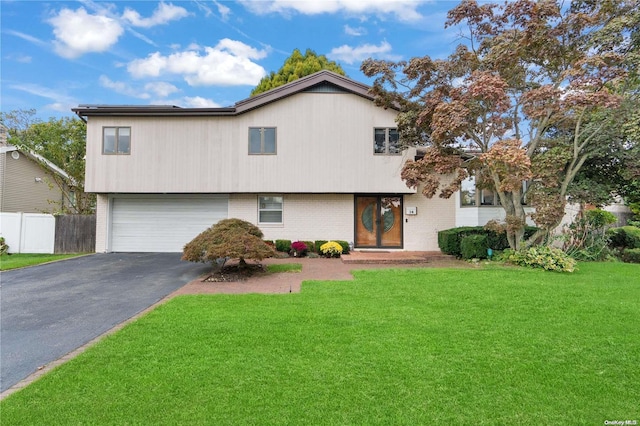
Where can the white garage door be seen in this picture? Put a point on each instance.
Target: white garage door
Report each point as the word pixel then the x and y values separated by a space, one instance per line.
pixel 162 224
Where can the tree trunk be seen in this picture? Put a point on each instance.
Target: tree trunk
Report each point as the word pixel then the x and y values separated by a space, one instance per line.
pixel 515 217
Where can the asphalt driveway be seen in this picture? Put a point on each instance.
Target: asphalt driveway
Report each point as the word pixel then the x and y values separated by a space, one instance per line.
pixel 49 310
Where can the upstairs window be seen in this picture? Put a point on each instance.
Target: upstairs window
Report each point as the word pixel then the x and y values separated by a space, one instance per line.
pixel 262 140
pixel 386 141
pixel 116 140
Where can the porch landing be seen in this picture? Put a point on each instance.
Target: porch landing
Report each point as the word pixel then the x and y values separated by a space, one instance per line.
pixel 394 257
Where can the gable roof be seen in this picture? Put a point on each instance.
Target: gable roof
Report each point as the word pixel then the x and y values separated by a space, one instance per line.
pixel 39 159
pixel 321 81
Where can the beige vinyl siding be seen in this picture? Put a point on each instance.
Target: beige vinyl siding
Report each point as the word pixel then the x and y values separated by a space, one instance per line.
pixel 20 190
pixel 324 145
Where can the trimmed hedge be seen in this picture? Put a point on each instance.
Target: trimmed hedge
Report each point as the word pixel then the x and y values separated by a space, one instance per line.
pixel 310 245
pixel 625 237
pixel 283 245
pixel 449 240
pixel 345 246
pixel 318 244
pixel 474 247
pixel 631 255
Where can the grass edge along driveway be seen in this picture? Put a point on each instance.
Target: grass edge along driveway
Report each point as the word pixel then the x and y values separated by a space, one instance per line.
pixel 398 346
pixel 21 260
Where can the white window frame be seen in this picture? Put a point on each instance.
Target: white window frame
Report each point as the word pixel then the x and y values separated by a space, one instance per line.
pixel 262 151
pixel 117 138
pixel 281 209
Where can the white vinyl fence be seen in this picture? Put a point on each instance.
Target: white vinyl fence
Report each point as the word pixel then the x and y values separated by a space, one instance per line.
pixel 28 232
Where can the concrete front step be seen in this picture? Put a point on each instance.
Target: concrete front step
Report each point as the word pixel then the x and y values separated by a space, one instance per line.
pixel 394 257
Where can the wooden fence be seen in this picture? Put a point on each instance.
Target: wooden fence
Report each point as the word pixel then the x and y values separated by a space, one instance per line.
pixel 75 233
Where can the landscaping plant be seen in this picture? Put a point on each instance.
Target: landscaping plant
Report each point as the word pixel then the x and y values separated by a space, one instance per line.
pixel 4 248
pixel 331 249
pixel 586 238
pixel 298 249
pixel 545 257
pixel 228 239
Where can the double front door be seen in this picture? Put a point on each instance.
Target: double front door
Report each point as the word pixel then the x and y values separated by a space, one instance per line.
pixel 378 221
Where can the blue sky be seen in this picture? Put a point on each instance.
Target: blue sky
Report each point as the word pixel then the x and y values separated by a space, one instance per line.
pixel 201 53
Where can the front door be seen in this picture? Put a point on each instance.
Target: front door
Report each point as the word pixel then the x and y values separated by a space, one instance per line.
pixel 378 221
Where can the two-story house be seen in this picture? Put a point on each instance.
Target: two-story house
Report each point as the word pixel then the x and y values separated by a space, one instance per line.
pixel 311 160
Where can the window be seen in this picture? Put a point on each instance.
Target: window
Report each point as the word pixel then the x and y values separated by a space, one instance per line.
pixel 386 141
pixel 116 140
pixel 487 197
pixel 262 140
pixel 472 196
pixel 270 209
pixel 468 192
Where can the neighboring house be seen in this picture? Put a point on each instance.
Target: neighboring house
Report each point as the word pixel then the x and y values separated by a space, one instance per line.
pixel 311 160
pixel 24 184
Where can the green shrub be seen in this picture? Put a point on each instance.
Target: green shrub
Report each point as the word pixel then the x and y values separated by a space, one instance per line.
pixel 474 246
pixel 586 237
pixel 4 248
pixel 331 249
pixel 283 245
pixel 344 245
pixel 631 255
pixel 449 240
pixel 545 257
pixel 624 237
pixel 310 246
pixel 319 244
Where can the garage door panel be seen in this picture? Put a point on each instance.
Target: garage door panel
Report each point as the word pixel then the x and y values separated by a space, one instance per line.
pixel 162 224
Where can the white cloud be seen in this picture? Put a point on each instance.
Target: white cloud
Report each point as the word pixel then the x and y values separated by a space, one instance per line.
pixel 164 13
pixel 404 10
pixel 26 37
pixel 62 101
pixel 160 88
pixel 122 88
pixel 229 63
pixel 19 57
pixel 78 32
pixel 197 102
pixel 354 31
pixel 350 54
pixel 223 10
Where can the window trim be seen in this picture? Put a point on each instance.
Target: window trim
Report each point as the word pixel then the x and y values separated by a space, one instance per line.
pixel 387 131
pixel 262 128
pixel 281 210
pixel 117 130
pixel 479 196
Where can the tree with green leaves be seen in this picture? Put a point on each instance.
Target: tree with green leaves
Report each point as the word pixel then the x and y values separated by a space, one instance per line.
pixel 63 143
pixel 296 66
pixel 529 95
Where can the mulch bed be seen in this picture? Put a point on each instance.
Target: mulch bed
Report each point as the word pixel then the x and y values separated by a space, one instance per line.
pixel 235 273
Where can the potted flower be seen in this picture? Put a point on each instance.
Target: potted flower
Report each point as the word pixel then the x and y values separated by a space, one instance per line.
pixel 298 249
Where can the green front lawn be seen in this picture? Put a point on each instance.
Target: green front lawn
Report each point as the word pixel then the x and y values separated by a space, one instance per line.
pixel 399 346
pixel 20 260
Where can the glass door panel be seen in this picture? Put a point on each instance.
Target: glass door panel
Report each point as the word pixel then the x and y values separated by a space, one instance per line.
pixel 379 222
